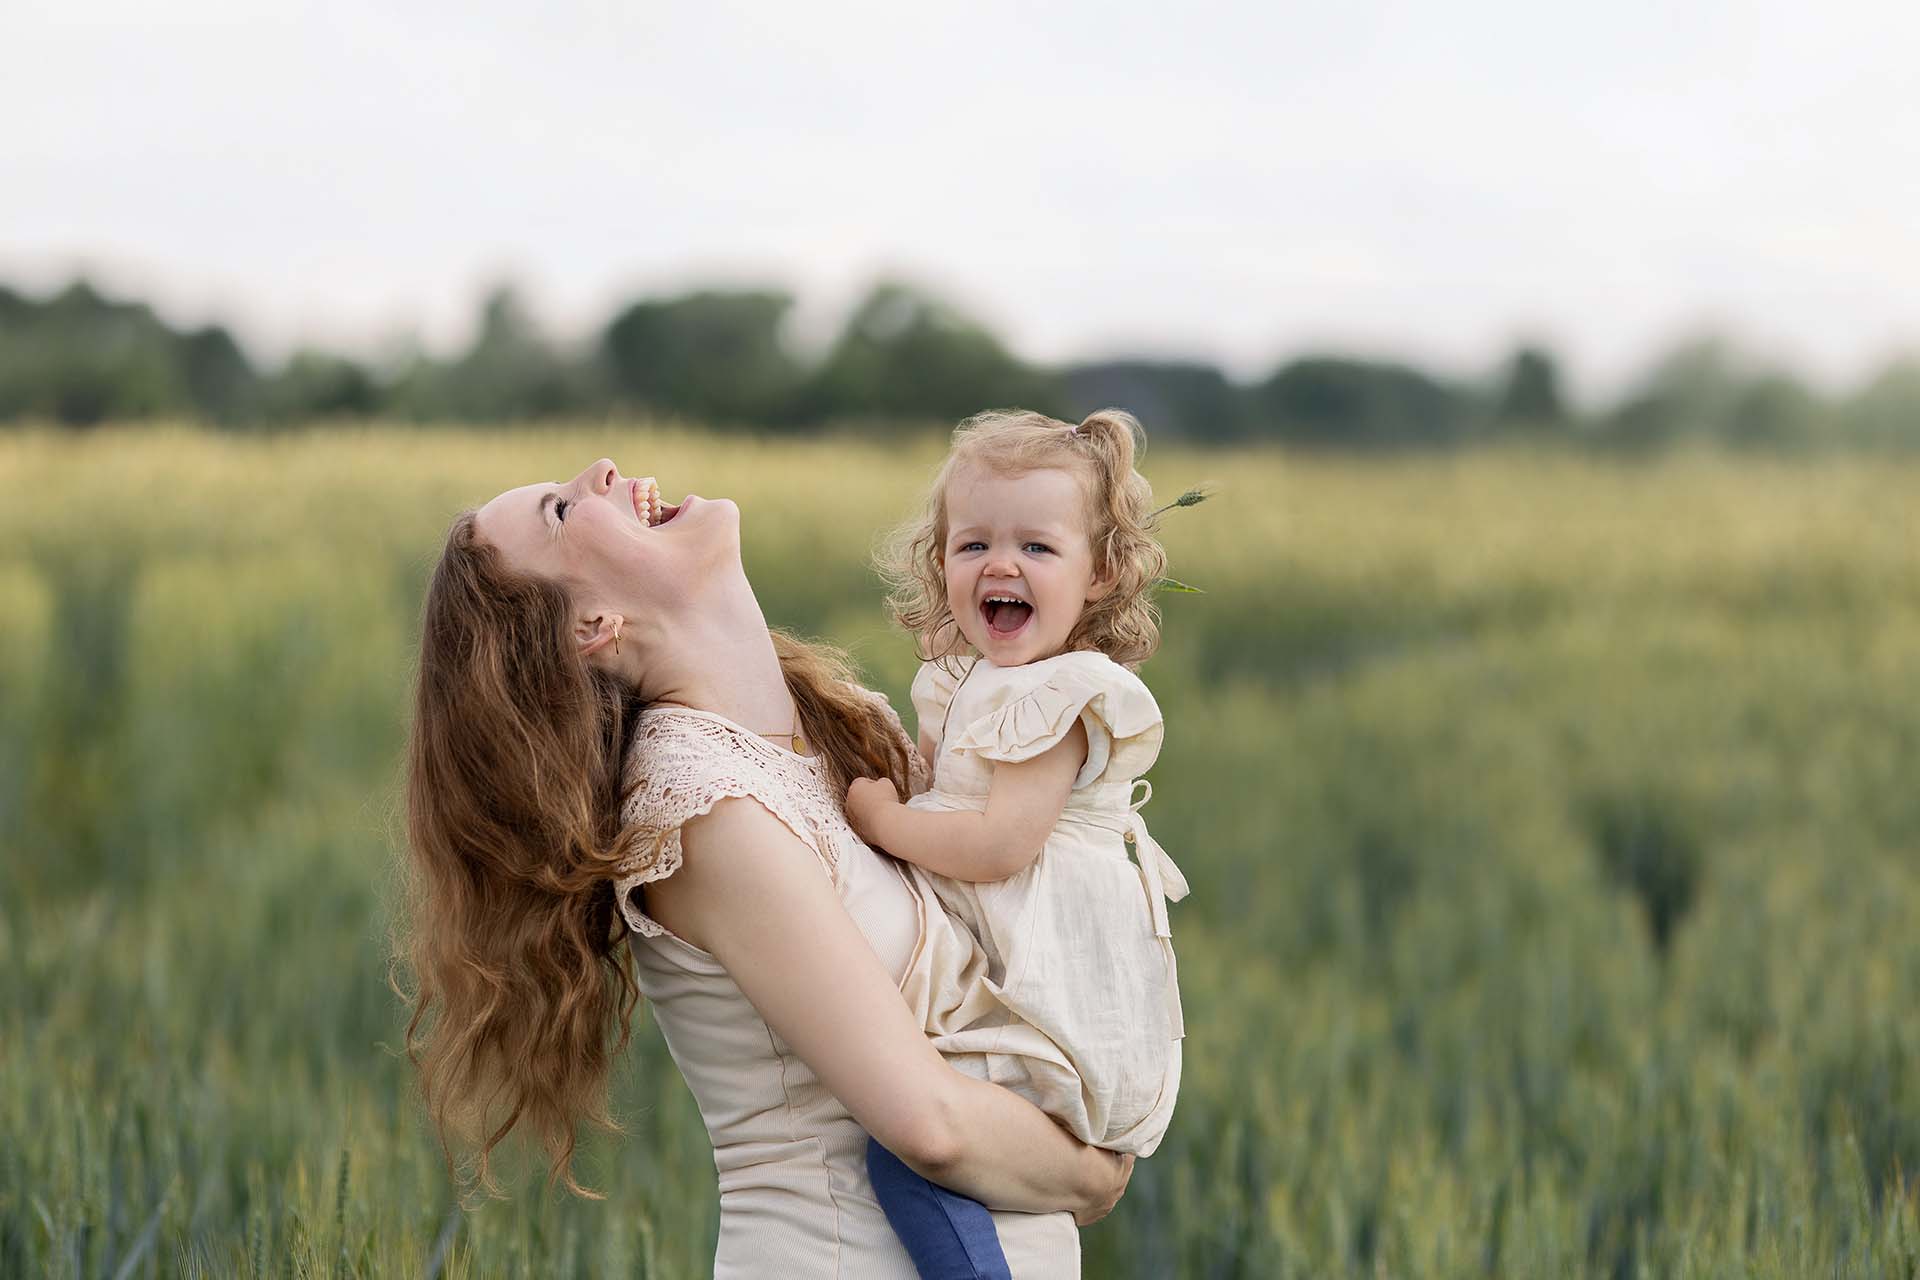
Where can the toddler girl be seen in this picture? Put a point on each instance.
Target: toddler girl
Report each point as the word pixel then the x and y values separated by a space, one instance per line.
pixel 1028 583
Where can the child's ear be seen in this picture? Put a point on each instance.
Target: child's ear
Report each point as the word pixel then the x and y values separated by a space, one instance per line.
pixel 1101 586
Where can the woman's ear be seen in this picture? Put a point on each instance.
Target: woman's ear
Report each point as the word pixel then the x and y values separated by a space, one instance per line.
pixel 597 632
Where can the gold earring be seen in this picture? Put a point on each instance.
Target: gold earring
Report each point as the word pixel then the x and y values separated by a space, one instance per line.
pixel 616 639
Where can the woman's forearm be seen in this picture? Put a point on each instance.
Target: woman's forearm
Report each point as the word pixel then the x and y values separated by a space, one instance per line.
pixel 1006 1153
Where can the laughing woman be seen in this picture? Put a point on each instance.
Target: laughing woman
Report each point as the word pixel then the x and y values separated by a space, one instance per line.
pixel 622 784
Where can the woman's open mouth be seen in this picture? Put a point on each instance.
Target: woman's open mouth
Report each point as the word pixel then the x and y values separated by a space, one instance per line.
pixel 647 504
pixel 1006 616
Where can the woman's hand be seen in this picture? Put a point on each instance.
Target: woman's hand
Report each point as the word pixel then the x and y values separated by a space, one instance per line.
pixel 867 799
pixel 1121 1172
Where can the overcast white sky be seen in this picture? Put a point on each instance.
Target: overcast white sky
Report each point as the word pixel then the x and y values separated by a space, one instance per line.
pixel 1231 181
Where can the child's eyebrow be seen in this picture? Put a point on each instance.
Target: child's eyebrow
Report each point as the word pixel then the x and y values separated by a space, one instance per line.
pixel 1048 532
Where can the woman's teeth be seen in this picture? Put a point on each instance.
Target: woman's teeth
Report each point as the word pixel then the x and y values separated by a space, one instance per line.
pixel 652 510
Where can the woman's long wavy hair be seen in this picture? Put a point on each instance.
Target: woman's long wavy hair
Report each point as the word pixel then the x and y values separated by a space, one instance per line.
pixel 509 932
pixel 1124 624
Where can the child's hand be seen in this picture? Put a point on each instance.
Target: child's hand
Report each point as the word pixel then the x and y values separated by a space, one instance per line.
pixel 866 799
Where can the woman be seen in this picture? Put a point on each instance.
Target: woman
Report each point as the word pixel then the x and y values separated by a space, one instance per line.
pixel 573 629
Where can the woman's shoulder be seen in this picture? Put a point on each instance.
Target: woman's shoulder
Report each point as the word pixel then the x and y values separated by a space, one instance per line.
pixel 681 764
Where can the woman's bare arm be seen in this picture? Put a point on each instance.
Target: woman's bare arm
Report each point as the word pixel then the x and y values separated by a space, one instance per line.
pixel 754 896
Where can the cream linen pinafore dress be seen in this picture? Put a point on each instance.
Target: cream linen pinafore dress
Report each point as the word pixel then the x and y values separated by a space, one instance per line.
pixel 795 1200
pixel 1077 944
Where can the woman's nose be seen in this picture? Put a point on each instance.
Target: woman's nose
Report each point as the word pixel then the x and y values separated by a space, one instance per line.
pixel 600 476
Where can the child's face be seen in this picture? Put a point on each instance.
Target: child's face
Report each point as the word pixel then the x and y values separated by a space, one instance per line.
pixel 1021 539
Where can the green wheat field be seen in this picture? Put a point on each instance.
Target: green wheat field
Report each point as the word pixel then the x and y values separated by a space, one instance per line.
pixel 1554 827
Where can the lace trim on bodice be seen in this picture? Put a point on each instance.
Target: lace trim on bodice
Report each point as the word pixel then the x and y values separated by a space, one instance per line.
pixel 683 762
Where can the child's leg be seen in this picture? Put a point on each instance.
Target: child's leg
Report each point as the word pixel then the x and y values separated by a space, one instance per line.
pixel 948 1236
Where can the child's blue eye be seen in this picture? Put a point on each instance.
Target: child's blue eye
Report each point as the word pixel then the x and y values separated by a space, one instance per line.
pixel 969 546
pixel 1038 546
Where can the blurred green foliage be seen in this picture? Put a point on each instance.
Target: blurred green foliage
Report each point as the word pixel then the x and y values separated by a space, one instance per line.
pixel 717 357
pixel 1181 399
pixel 906 355
pixel 903 360
pixel 1327 400
pixel 79 358
pixel 1551 827
pixel 1529 392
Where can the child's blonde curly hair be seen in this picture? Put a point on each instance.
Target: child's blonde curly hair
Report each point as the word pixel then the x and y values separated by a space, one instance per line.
pixel 1124 624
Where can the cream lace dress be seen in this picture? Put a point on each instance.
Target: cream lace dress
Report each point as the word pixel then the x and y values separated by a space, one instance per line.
pixel 794 1196
pixel 1077 944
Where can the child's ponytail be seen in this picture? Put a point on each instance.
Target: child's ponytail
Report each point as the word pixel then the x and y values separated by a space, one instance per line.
pixel 1124 623
pixel 1116 435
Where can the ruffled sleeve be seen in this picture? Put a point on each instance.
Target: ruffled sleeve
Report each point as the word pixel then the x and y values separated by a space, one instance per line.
pixel 933 688
pixel 680 765
pixel 1036 706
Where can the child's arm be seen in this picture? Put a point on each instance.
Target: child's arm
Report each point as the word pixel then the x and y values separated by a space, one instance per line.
pixel 1023 805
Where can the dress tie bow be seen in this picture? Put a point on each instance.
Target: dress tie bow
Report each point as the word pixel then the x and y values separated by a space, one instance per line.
pixel 1165 883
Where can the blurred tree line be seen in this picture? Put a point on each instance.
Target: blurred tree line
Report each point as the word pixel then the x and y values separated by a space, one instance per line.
pixel 903 355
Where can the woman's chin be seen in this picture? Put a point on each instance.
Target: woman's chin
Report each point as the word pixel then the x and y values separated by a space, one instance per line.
pixel 713 523
pixel 699 508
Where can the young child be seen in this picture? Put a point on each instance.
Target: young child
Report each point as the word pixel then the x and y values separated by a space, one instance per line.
pixel 1028 582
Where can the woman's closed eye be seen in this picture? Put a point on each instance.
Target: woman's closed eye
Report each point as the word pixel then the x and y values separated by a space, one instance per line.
pixel 560 506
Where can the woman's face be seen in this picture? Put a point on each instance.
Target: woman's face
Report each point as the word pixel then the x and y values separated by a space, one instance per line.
pixel 610 540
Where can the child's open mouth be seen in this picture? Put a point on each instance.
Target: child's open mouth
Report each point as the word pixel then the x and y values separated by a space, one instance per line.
pixel 1006 615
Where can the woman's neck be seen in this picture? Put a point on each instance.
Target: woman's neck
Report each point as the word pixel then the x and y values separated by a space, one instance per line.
pixel 720 658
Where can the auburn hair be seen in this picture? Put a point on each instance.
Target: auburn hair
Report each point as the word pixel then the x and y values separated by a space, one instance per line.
pixel 1124 623
pixel 508 930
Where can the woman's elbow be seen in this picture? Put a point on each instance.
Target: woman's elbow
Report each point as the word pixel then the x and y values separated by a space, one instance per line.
pixel 930 1139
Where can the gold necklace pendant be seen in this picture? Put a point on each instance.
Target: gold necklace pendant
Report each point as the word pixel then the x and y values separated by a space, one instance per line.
pixel 795 742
